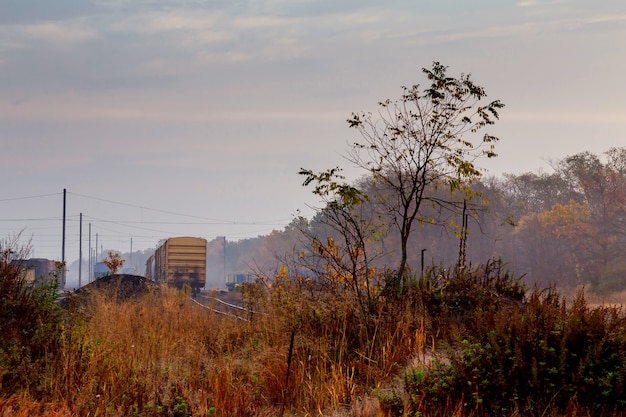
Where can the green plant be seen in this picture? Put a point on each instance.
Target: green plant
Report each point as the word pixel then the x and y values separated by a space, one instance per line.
pixel 391 402
pixel 452 296
pixel 533 357
pixel 181 408
pixel 30 322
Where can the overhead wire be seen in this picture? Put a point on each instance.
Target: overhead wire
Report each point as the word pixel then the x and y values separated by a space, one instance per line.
pixel 45 240
pixel 219 221
pixel 96 220
pixel 28 197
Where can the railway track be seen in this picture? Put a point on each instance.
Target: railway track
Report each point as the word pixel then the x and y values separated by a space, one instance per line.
pixel 221 307
pixel 128 286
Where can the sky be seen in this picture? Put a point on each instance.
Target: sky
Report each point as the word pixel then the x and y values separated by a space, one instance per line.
pixel 192 117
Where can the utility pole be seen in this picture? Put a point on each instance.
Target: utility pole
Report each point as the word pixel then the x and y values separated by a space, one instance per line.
pixel 131 254
pixel 63 239
pixel 90 270
pixel 80 250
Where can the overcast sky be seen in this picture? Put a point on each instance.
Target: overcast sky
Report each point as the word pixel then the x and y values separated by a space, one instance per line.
pixel 193 117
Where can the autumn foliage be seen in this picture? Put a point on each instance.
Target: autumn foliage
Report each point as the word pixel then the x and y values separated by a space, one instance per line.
pixel 113 262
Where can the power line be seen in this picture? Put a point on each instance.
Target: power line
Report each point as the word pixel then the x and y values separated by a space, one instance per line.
pixel 145 233
pixel 124 222
pixel 209 221
pixel 219 221
pixel 136 227
pixel 31 220
pixel 28 197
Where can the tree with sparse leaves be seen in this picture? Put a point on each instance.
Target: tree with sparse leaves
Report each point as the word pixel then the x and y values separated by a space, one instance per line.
pixel 425 139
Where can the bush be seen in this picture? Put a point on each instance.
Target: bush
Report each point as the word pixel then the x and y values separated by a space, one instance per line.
pixel 452 296
pixel 30 321
pixel 536 357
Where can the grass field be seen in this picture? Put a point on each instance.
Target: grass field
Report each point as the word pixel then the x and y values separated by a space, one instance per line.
pixel 467 345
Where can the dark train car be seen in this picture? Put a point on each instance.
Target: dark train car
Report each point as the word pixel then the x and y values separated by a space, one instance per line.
pixel 179 261
pixel 39 270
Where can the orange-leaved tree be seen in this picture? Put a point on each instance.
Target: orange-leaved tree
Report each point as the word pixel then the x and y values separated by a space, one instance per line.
pixel 113 262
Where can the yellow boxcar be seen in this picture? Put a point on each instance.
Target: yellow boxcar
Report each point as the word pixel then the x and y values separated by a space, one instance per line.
pixel 179 261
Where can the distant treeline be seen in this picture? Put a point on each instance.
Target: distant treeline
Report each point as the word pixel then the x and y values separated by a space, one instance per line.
pixel 565 227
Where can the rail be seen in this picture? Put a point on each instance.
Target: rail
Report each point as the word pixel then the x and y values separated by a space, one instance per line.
pixel 227 305
pixel 217 311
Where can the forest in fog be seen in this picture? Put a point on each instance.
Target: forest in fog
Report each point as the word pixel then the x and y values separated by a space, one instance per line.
pixel 566 227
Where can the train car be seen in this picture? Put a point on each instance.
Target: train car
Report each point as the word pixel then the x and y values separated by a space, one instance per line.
pixel 235 280
pixel 179 261
pixel 39 270
pixel 100 270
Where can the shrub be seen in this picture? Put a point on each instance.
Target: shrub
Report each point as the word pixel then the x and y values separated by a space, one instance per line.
pixel 536 357
pixel 451 296
pixel 30 321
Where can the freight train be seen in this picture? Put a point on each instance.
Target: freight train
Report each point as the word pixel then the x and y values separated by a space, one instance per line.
pixel 179 261
pixel 235 281
pixel 37 271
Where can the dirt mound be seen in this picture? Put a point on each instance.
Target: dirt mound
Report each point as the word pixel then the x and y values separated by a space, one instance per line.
pixel 121 286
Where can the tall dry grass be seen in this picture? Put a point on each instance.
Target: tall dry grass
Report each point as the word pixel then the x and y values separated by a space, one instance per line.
pixel 162 355
pixel 308 352
pixel 158 355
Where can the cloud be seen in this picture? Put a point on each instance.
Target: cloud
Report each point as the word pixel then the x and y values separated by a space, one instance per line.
pixel 180 21
pixel 573 13
pixel 31 164
pixel 65 108
pixel 205 47
pixel 56 33
pixel 40 11
pixel 572 118
pixel 118 106
pixel 180 29
pixel 541 3
pixel 606 19
pixel 529 3
pixel 263 22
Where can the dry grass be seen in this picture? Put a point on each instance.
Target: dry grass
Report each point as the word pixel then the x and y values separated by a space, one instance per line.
pixel 299 355
pixel 23 406
pixel 162 355
pixel 158 355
